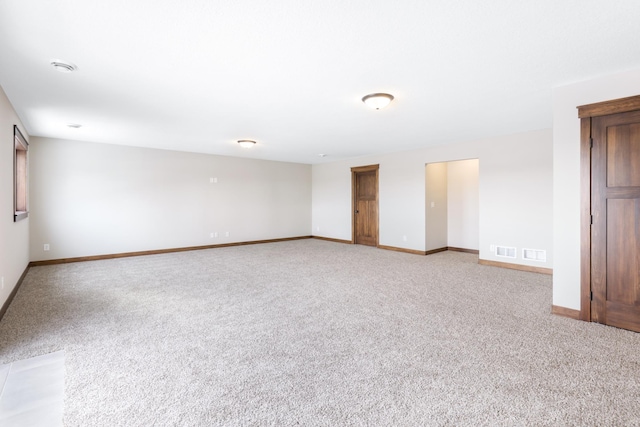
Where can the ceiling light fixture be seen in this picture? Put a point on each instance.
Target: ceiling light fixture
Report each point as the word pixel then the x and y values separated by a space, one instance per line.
pixel 377 100
pixel 74 125
pixel 63 67
pixel 246 143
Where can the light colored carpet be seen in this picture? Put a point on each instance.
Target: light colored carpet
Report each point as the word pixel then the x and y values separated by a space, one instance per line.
pixel 315 333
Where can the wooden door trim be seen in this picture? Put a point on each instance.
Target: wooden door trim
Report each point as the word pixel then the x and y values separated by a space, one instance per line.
pixel 354 172
pixel 585 219
pixel 365 168
pixel 621 105
pixel 586 113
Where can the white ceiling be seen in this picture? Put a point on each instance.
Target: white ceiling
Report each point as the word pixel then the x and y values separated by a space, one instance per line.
pixel 197 75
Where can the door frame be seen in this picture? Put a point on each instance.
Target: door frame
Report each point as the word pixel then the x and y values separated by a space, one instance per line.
pixel 585 114
pixel 354 172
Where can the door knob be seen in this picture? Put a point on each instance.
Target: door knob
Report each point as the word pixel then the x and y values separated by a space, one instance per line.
pixel 357 211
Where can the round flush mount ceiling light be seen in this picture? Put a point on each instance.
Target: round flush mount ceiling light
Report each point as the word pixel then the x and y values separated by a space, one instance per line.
pixel 377 100
pixel 246 143
pixel 63 66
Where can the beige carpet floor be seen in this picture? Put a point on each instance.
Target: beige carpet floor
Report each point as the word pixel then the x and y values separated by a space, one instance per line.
pixel 314 333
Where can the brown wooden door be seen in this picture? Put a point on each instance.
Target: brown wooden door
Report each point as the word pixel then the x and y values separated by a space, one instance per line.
pixel 615 230
pixel 365 204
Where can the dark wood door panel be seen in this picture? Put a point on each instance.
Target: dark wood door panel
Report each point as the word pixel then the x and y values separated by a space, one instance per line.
pixel 623 155
pixel 622 316
pixel 623 251
pixel 615 210
pixel 366 186
pixel 365 194
pixel 365 223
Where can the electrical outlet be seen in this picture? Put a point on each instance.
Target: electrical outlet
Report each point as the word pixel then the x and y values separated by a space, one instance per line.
pixel 404 238
pixel 318 228
pixel 226 234
pixel 46 246
pixel 213 180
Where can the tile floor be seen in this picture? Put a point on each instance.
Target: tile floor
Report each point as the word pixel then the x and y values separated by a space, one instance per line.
pixel 32 392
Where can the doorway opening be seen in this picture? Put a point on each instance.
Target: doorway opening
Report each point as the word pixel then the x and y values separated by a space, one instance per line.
pixel 452 206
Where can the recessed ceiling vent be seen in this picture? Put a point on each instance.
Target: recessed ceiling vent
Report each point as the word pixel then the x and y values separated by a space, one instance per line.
pixel 63 67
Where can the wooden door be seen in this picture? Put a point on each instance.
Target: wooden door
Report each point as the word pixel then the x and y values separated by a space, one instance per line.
pixel 365 205
pixel 615 229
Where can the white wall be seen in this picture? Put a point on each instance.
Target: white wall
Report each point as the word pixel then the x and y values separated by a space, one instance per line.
pixel 436 183
pixel 566 169
pixel 94 199
pixel 14 236
pixel 515 193
pixel 463 204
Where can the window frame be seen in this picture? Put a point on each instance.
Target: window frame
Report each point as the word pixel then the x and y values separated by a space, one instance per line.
pixel 20 175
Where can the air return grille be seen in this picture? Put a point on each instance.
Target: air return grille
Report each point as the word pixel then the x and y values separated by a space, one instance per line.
pixel 534 255
pixel 505 251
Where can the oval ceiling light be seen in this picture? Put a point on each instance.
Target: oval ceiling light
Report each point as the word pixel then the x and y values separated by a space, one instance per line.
pixel 377 100
pixel 74 125
pixel 63 66
pixel 246 143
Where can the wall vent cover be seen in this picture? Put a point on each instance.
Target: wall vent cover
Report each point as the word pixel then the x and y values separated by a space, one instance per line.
pixel 505 251
pixel 534 255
